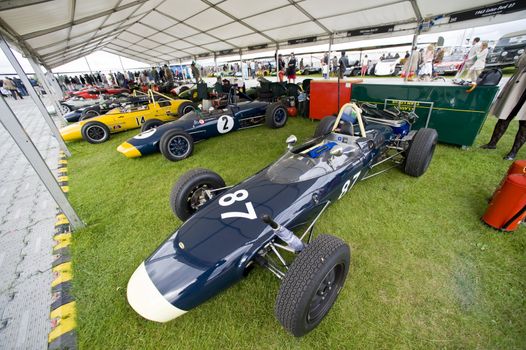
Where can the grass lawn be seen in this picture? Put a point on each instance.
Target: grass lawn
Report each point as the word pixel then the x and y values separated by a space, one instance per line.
pixel 425 272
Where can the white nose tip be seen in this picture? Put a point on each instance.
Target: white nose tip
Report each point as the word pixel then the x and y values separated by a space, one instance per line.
pixel 146 299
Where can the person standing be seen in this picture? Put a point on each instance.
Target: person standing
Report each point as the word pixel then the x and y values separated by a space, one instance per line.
pixel 334 65
pixel 343 63
pixel 469 59
pixel 325 65
pixel 253 69
pixel 195 72
pixel 281 68
pixel 511 103
pixel 479 63
pixel 426 68
pixel 365 64
pixel 168 75
pixel 10 86
pixel 291 69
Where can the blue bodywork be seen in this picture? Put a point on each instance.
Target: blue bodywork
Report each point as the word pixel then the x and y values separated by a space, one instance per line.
pixel 211 251
pixel 204 125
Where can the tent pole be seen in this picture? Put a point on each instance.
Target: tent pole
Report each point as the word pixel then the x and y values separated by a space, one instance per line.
pixel 413 52
pixel 45 84
pixel 120 59
pixel 86 59
pixel 22 139
pixel 31 90
pixel 277 63
pixel 241 66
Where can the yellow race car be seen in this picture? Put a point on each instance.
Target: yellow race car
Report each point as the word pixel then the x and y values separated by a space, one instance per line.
pixel 151 115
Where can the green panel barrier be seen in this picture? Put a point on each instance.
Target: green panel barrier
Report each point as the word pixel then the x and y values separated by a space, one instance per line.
pixel 456 114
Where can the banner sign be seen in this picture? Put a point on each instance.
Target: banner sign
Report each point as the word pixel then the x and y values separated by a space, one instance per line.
pixel 492 10
pixel 258 47
pixel 371 30
pixel 302 40
pixel 225 52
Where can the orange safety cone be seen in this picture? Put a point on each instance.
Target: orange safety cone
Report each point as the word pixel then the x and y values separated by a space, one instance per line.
pixel 508 205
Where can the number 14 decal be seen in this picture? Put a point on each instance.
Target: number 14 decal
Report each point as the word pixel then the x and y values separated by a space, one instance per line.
pixel 237 196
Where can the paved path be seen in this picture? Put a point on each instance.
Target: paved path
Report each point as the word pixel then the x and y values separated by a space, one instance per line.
pixel 27 218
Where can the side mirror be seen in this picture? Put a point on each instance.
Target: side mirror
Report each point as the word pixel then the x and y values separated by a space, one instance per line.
pixel 336 151
pixel 291 140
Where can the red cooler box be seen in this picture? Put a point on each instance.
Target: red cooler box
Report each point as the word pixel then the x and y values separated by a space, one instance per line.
pixel 324 96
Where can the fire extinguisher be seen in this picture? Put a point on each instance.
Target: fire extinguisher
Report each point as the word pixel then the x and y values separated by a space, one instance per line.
pixel 507 207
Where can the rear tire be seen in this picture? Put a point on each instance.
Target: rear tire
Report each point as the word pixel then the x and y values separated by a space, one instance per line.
pixel 95 132
pixel 276 115
pixel 188 194
pixel 185 107
pixel 89 114
pixel 325 126
pixel 421 152
pixel 312 284
pixel 176 145
pixel 150 124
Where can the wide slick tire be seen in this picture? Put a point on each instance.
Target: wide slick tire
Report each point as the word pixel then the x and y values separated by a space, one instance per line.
pixel 325 126
pixel 88 115
pixel 276 115
pixel 95 132
pixel 421 152
pixel 185 107
pixel 150 124
pixel 312 284
pixel 176 145
pixel 188 193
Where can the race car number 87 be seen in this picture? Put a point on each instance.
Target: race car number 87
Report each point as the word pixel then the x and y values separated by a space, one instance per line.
pixel 238 196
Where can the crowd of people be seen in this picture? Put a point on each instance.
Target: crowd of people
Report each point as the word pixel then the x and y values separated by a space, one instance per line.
pixel 15 88
pixel 154 75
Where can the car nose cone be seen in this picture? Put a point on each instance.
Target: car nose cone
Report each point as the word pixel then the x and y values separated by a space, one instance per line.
pixel 146 299
pixel 129 150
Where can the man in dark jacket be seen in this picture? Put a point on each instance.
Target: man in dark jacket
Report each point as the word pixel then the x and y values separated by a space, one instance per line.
pixel 343 63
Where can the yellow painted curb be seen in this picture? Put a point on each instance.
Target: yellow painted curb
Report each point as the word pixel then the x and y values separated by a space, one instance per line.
pixel 63 240
pixel 62 321
pixel 61 273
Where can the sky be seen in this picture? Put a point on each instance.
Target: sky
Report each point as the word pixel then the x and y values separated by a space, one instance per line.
pixel 105 61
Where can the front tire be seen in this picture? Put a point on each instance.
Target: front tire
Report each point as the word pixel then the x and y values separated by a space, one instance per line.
pixel 176 145
pixel 150 124
pixel 189 192
pixel 276 115
pixel 325 126
pixel 312 284
pixel 95 132
pixel 421 152
pixel 65 108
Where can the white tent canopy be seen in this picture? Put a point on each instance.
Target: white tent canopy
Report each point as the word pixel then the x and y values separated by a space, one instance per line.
pixel 156 31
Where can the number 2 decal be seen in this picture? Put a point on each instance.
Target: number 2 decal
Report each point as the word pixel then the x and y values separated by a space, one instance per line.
pixel 238 196
pixel 347 185
pixel 225 123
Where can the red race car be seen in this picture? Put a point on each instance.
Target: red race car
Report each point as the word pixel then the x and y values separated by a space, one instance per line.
pixel 94 92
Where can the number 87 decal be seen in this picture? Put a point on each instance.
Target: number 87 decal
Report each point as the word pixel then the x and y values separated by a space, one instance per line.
pixel 347 185
pixel 238 196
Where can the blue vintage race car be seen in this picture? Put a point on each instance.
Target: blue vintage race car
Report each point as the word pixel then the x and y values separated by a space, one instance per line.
pixel 175 140
pixel 229 229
